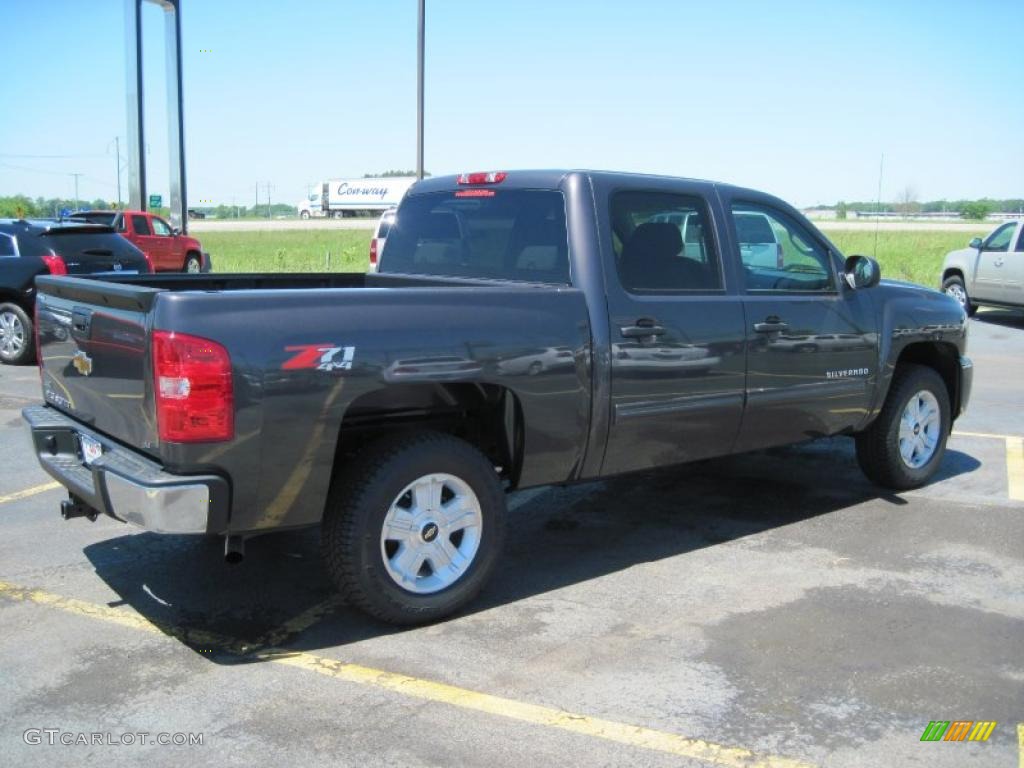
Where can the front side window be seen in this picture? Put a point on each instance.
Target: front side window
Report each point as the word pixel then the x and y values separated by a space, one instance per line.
pixel 1020 239
pixel 1000 239
pixel 778 253
pixel 141 225
pixel 161 227
pixel 502 234
pixel 662 242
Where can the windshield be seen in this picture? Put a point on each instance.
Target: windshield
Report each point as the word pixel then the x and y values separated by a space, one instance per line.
pixel 481 232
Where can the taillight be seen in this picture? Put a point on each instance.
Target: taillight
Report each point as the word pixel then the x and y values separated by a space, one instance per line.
pixel 194 391
pixel 35 334
pixel 55 264
pixel 492 177
pixel 373 252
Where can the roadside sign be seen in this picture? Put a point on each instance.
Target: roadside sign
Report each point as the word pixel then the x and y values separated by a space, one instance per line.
pixel 155 201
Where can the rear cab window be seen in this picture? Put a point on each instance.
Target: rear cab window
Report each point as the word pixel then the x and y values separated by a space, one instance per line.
pixel 496 234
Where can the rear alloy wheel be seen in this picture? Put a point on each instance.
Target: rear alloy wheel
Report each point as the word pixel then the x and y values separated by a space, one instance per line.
pixel 413 527
pixel 17 345
pixel 904 446
pixel 193 264
pixel 954 286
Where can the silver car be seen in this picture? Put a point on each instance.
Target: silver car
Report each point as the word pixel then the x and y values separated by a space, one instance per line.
pixel 988 271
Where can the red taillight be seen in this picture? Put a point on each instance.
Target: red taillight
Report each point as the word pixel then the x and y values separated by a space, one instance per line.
pixel 492 177
pixel 373 251
pixel 55 264
pixel 193 389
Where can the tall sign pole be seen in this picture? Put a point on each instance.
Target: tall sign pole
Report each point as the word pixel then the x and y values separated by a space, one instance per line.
pixel 419 91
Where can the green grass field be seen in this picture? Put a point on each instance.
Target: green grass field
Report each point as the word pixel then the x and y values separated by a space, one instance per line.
pixel 904 255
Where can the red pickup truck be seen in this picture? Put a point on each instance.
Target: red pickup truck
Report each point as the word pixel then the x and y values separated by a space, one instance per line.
pixel 167 249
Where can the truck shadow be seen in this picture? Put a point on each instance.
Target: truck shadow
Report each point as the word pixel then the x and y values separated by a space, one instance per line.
pixel 281 597
pixel 1008 318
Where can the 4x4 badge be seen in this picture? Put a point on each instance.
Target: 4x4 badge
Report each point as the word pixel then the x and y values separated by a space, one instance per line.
pixel 82 363
pixel 322 357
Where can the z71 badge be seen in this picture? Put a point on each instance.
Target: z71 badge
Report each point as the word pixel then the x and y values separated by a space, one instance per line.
pixel 320 357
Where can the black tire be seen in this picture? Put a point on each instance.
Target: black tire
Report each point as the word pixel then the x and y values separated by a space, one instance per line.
pixel 878 447
pixel 304 215
pixel 957 285
pixel 193 259
pixel 17 336
pixel 357 506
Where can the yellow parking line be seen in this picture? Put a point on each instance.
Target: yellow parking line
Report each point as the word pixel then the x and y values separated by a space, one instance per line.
pixel 28 492
pixel 428 690
pixel 985 434
pixel 1020 744
pixel 1015 467
pixel 300 623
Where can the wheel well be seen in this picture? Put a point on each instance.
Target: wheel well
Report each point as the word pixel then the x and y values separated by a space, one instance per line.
pixel 941 357
pixel 952 273
pixel 12 297
pixel 487 416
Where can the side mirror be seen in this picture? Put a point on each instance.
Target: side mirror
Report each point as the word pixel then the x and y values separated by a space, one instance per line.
pixel 175 231
pixel 862 272
pixel 975 243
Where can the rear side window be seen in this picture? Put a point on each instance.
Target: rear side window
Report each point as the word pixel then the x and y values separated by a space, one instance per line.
pixel 486 233
pixel 141 225
pixel 6 245
pixel 663 242
pixel 384 227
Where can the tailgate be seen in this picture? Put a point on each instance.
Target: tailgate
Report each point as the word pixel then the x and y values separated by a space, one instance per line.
pixel 94 356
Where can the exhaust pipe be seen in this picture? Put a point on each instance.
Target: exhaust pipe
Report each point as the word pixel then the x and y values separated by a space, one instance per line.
pixel 234 549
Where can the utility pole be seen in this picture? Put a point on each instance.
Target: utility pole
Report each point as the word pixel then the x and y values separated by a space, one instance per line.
pixel 419 89
pixel 76 175
pixel 117 146
pixel 268 198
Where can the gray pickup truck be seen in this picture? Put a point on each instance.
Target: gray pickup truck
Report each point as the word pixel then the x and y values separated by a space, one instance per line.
pixel 523 329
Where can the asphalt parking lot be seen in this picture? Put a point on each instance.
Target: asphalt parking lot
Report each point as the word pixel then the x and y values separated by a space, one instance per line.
pixel 772 609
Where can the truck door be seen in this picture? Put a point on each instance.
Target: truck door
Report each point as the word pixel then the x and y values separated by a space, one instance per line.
pixel 147 241
pixel 676 333
pixel 325 199
pixel 811 343
pixel 994 264
pixel 1014 290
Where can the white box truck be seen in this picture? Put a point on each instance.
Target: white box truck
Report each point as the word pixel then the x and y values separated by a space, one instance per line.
pixel 350 197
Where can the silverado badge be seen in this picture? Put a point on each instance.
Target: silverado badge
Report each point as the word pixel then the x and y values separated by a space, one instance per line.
pixel 82 363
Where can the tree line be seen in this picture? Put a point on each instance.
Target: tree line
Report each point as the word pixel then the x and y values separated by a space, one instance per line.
pixel 24 207
pixel 968 209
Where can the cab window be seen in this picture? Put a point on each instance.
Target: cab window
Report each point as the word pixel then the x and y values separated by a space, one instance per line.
pixel 662 243
pixel 141 225
pixel 778 253
pixel 161 227
pixel 1000 239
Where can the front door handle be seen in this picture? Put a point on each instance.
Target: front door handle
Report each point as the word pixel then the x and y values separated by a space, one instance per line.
pixel 999 261
pixel 644 328
pixel 771 324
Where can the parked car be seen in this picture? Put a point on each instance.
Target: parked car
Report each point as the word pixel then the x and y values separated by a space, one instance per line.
pixel 30 248
pixel 988 271
pixel 166 246
pixel 380 236
pixel 386 410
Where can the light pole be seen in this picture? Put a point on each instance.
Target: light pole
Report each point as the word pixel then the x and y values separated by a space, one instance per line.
pixel 76 175
pixel 419 90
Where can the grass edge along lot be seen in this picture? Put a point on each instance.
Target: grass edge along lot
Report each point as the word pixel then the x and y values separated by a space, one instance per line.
pixel 913 255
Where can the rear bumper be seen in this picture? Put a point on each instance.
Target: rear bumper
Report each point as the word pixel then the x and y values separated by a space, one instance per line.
pixel 966 368
pixel 125 484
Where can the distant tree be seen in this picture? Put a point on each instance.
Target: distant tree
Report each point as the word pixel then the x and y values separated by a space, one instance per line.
pixel 907 201
pixel 976 210
pixel 841 210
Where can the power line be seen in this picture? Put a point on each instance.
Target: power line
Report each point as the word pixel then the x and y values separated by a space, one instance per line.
pixel 46 157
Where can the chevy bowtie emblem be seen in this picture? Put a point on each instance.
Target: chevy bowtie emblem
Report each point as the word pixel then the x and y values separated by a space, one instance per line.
pixel 82 363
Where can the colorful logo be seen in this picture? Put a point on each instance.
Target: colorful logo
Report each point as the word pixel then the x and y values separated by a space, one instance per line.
pixel 958 730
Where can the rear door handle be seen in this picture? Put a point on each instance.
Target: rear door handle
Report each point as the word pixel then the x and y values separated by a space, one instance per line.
pixel 644 327
pixel 771 325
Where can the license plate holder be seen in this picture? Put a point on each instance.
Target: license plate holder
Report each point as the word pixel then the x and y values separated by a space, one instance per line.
pixel 91 449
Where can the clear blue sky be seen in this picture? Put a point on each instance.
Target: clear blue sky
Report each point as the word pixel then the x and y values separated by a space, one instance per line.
pixel 796 98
